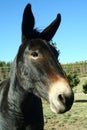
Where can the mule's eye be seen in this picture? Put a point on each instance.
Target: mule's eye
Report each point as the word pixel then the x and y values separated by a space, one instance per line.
pixel 34 54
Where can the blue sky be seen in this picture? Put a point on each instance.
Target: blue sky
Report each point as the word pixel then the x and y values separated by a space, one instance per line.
pixel 71 37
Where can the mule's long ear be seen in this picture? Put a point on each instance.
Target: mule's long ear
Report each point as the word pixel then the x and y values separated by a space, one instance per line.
pixel 28 22
pixel 50 31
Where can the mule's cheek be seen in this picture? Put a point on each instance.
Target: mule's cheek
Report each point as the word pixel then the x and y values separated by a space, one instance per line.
pixel 60 97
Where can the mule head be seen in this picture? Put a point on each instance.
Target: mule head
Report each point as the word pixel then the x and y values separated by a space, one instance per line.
pixel 38 69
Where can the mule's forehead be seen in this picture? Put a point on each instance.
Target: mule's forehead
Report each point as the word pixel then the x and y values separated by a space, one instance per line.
pixel 38 44
pixel 43 46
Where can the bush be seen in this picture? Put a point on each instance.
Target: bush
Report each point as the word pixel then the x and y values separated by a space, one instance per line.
pixel 85 87
pixel 73 79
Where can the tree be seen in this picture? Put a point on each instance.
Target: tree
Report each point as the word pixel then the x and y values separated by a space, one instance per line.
pixel 85 87
pixel 2 64
pixel 73 79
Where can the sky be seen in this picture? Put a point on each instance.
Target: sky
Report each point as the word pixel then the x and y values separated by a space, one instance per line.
pixel 71 37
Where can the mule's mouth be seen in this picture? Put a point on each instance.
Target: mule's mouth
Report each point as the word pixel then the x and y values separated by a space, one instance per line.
pixel 57 107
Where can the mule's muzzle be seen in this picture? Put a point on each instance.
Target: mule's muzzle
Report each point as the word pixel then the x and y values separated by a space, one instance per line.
pixel 66 101
pixel 62 104
pixel 61 98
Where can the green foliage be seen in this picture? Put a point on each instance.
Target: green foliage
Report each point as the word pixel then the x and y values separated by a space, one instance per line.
pixel 79 68
pixel 4 64
pixel 4 69
pixel 73 79
pixel 54 44
pixel 85 87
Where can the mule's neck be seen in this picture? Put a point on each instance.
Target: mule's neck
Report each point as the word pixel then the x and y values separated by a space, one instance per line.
pixel 16 94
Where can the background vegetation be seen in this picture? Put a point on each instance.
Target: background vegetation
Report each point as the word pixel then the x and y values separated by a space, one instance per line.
pixel 85 87
pixel 79 68
pixel 4 70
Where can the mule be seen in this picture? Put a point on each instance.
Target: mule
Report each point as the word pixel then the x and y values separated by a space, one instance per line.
pixel 36 73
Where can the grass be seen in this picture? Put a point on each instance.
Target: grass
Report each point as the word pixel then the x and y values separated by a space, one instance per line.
pixel 75 119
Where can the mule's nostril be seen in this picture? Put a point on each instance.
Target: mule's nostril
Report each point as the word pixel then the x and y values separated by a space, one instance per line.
pixel 61 98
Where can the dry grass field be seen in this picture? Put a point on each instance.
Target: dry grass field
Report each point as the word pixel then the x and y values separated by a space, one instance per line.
pixel 75 119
